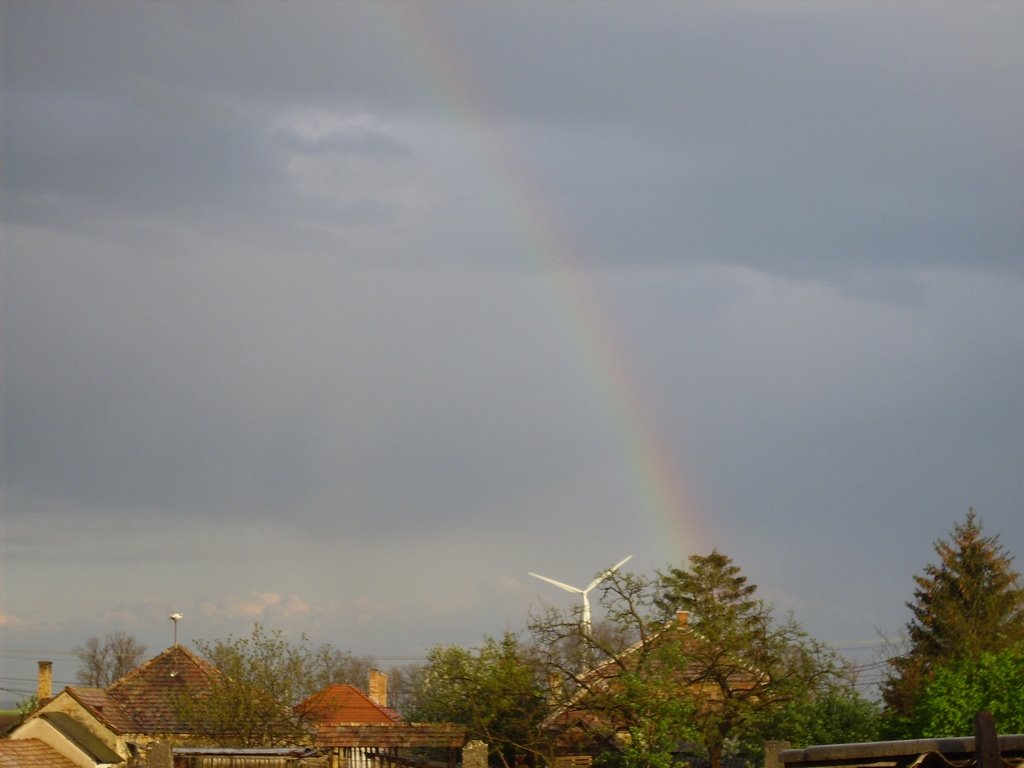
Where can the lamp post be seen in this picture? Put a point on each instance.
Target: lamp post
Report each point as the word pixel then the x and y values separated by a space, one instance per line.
pixel 175 617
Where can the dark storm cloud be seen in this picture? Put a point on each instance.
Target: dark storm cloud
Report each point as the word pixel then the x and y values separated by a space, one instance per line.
pixel 145 385
pixel 810 141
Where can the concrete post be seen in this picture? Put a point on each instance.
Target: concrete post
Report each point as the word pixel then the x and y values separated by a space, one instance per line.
pixel 474 754
pixel 772 750
pixel 159 755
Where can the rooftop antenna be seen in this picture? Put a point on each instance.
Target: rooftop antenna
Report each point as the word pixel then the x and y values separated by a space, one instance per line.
pixel 586 590
pixel 175 617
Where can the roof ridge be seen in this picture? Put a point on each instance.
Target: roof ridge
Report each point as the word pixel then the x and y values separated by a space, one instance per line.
pixel 202 664
pixel 320 701
pixel 99 713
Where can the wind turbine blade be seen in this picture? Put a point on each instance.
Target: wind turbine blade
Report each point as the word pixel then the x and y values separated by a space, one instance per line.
pixel 605 574
pixel 566 587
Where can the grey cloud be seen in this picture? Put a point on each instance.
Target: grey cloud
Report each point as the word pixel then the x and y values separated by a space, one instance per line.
pixel 281 288
pixel 213 387
pixel 799 143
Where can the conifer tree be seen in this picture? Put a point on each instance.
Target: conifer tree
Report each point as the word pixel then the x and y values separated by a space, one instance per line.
pixel 968 603
pixel 747 664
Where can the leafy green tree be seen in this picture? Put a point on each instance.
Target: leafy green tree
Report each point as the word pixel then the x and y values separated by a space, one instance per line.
pixel 969 603
pixel 493 690
pixel 621 679
pixel 689 655
pixel 959 689
pixel 836 713
pixel 262 677
pixel 250 702
pixel 26 707
pixel 104 660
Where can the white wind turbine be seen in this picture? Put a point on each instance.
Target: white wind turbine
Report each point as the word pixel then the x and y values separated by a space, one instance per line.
pixel 586 602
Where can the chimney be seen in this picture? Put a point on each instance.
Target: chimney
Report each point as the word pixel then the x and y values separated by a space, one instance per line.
pixel 683 617
pixel 555 690
pixel 44 688
pixel 378 690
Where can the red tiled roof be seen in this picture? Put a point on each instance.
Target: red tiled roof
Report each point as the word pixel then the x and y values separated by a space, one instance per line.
pixel 31 753
pixel 147 695
pixel 341 703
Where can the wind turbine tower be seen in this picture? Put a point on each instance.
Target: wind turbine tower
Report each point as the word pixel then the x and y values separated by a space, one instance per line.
pixel 586 590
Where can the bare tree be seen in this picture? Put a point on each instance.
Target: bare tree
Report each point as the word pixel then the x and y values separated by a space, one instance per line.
pixel 329 664
pixel 104 660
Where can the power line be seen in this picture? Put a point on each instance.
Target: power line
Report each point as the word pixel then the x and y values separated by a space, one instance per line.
pixel 21 652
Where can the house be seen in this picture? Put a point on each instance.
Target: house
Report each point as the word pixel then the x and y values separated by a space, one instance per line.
pixel 113 726
pixel 344 704
pixel 360 730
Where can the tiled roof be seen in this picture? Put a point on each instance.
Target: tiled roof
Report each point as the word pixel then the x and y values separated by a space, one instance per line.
pixel 31 753
pixel 145 700
pixel 103 707
pixel 147 695
pixel 341 703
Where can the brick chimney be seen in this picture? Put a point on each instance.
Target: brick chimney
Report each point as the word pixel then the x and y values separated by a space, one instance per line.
pixel 378 688
pixel 555 690
pixel 44 686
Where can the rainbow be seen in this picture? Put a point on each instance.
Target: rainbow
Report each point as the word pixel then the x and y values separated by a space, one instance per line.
pixel 658 479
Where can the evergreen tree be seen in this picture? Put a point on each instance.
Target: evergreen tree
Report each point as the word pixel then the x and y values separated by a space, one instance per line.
pixel 968 603
pixel 747 664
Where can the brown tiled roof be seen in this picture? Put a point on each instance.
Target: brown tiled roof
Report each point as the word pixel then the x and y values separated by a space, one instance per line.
pixel 342 703
pixel 103 708
pixel 31 753
pixel 147 695
pixel 393 736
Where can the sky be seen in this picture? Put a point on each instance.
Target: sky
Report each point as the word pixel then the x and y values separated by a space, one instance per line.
pixel 344 317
